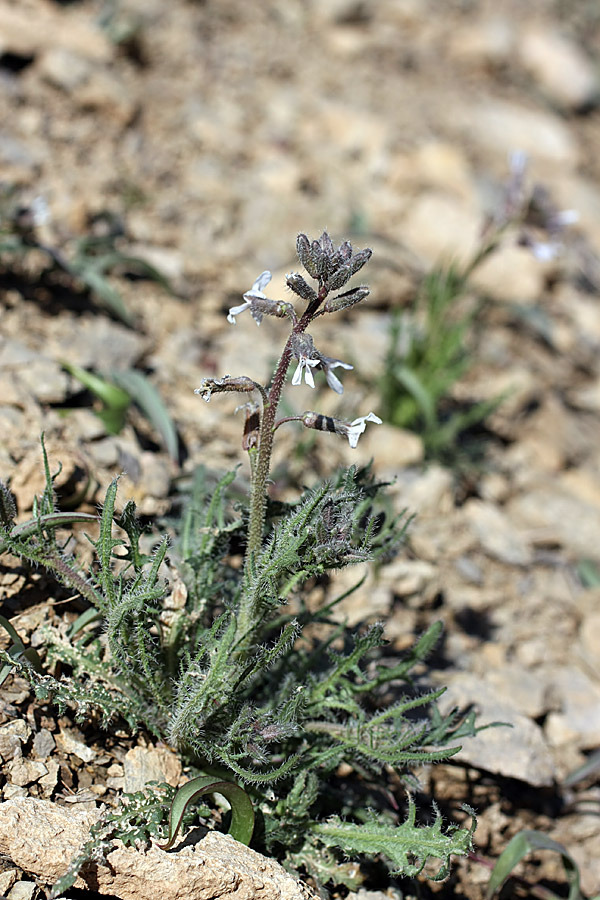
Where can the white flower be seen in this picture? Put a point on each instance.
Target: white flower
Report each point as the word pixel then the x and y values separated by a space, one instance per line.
pixel 354 430
pixel 306 364
pixel 328 364
pixel 255 293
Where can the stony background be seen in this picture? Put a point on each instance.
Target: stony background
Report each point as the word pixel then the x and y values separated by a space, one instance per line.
pixel 216 131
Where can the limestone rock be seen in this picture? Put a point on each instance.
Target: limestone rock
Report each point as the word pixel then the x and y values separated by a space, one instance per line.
pixel 41 838
pixel 560 68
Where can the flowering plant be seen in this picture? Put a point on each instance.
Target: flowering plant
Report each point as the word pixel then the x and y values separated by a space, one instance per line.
pixel 236 669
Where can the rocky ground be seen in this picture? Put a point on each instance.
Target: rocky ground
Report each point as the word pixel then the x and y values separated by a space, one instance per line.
pixel 212 132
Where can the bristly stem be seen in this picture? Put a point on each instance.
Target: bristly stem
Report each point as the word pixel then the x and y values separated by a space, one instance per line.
pixel 258 495
pixel 260 472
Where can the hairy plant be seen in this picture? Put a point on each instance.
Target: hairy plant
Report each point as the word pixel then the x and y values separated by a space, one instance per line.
pixel 239 671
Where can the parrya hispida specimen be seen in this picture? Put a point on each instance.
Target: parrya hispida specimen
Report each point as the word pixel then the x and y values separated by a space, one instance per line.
pixel 331 268
pixel 246 678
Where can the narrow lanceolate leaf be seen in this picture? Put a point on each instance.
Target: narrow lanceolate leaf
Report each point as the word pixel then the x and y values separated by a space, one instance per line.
pixel 523 843
pixel 242 813
pixel 408 846
pixel 143 392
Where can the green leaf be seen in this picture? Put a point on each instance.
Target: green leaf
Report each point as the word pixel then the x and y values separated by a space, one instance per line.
pixel 143 392
pixel 523 843
pixel 242 813
pixel 17 651
pixel 408 846
pixel 111 298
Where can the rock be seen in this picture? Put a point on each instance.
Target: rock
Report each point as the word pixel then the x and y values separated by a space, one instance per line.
pixel 41 838
pixel 69 742
pixel 557 516
pixel 52 29
pixel 64 69
pixel 43 743
pixel 45 380
pixel 519 751
pixel 98 343
pixel 7 879
pixel 391 449
pixel 144 764
pixel 578 719
pixel 440 226
pixel 22 890
pixel 407 576
pixel 496 533
pixel 527 275
pixel 427 493
pixel 500 127
pixel 489 41
pixel 589 636
pixel 559 66
pixel 22 772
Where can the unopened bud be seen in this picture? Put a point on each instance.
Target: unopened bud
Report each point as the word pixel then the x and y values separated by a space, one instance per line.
pixel 251 435
pixel 8 507
pixel 297 284
pixel 348 298
pixel 305 255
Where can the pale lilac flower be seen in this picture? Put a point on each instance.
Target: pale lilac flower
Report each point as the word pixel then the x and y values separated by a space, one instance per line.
pixel 354 430
pixel 328 364
pixel 255 293
pixel 351 430
pixel 305 364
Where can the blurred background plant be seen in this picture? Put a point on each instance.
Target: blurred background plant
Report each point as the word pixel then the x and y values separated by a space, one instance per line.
pixel 90 260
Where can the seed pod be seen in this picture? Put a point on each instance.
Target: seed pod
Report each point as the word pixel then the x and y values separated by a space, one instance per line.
pixel 210 386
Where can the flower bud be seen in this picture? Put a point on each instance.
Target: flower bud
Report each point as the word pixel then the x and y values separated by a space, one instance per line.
pixel 297 284
pixel 303 248
pixel 8 507
pixel 348 298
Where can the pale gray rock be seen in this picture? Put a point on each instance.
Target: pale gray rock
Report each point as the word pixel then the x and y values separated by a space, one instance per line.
pixel 22 772
pixel 64 69
pixel 7 879
pixel 440 225
pixel 43 743
pixel 45 380
pixel 22 890
pixel 41 838
pixel 501 127
pixel 497 535
pixel 69 742
pixel 519 751
pixel 144 764
pixel 555 515
pixel 559 67
pixel 578 717
pixel 99 343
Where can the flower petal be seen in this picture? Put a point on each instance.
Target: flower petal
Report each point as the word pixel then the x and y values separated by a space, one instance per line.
pixel 262 281
pixel 236 310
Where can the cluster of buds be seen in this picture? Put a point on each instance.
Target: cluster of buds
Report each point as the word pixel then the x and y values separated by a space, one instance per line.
pixel 331 268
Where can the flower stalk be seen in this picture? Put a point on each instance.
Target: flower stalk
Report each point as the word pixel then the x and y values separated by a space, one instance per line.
pixel 332 268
